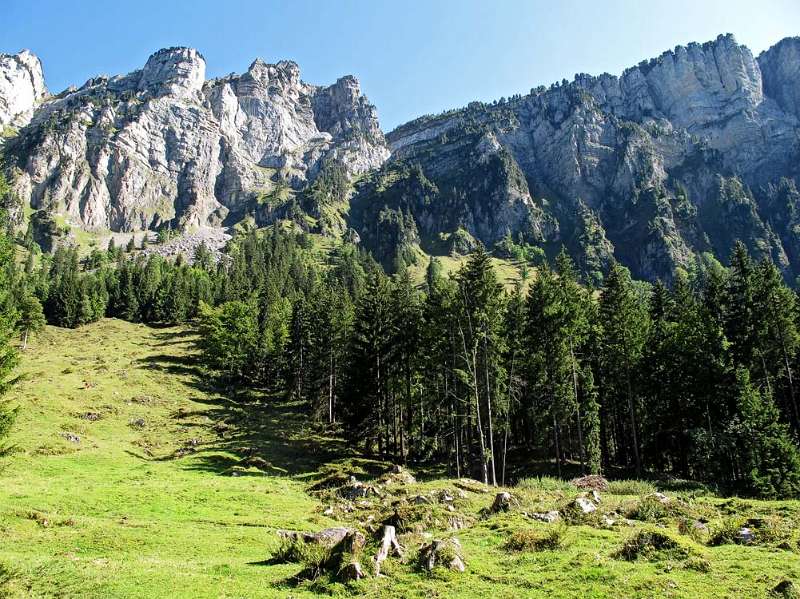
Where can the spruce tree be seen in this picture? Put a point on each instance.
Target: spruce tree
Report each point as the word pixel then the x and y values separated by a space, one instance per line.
pixel 624 328
pixel 8 354
pixel 766 459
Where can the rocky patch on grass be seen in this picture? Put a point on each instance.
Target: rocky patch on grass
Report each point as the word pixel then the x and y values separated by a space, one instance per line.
pixel 440 553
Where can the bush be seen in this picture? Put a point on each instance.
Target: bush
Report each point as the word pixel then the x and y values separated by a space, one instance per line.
pixel 631 487
pixel 536 540
pixel 546 483
pixel 726 531
pixel 655 545
pixel 650 509
pixel 297 551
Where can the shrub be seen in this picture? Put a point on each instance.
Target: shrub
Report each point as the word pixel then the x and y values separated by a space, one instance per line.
pixel 297 551
pixel 546 483
pixel 726 531
pixel 631 487
pixel 655 545
pixel 536 540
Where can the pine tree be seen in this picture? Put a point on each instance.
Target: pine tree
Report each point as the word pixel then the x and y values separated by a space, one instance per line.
pixel 624 329
pixel 366 395
pixel 8 355
pixel 479 318
pixel 766 459
pixel 31 317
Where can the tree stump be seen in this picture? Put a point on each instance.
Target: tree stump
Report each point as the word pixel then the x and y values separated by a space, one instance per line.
pixel 389 546
pixel 502 503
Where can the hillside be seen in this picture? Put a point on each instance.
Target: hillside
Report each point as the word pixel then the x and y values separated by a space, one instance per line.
pixel 132 479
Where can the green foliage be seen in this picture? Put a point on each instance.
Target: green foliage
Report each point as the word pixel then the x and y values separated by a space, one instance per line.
pixel 546 483
pixel 768 459
pixel 551 539
pixel 631 487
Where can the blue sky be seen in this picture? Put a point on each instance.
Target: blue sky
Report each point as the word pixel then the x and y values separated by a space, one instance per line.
pixel 412 56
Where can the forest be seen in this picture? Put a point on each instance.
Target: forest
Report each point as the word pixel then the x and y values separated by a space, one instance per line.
pixel 695 380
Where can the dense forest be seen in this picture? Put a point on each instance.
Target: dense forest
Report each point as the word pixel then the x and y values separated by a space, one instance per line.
pixel 693 381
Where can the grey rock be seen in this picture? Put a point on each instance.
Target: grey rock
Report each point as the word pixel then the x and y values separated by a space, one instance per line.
pixel 21 88
pixel 162 145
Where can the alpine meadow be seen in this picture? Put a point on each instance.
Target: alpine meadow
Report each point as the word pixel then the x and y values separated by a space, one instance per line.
pixel 541 346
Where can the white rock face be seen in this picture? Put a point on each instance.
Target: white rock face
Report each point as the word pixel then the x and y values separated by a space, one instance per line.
pixel 162 144
pixel 21 88
pixel 668 127
pixel 780 66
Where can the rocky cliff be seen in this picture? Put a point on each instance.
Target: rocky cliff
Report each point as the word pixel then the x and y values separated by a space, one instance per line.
pixel 21 88
pixel 163 145
pixel 661 167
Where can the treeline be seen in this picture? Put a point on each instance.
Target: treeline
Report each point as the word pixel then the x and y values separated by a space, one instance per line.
pixel 696 381
pixel 693 381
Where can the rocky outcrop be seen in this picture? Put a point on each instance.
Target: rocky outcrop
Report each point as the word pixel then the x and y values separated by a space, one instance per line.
pixel 661 166
pixel 162 144
pixel 780 68
pixel 21 88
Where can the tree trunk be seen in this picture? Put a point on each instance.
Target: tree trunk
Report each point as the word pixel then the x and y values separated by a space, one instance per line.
pixel 635 435
pixel 489 409
pixel 577 409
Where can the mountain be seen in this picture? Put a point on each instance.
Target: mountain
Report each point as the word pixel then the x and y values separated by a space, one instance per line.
pixel 21 88
pixel 163 145
pixel 661 168
pixel 671 161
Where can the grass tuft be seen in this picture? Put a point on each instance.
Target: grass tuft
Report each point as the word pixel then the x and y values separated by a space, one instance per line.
pixel 537 540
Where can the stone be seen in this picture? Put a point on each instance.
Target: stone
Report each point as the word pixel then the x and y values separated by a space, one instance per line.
pixel 503 501
pixel 746 535
pixel 585 505
pixel 550 517
pixel 444 553
pixel 659 497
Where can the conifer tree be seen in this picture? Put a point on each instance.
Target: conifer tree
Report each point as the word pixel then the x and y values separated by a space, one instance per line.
pixel 624 328
pixel 8 354
pixel 766 459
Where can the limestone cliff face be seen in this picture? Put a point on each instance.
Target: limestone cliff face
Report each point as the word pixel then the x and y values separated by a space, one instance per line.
pixel 676 158
pixel 163 144
pixel 21 88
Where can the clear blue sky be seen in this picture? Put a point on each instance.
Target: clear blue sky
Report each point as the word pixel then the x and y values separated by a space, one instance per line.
pixel 412 56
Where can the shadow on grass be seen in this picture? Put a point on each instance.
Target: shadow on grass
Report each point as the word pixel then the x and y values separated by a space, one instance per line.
pixel 248 424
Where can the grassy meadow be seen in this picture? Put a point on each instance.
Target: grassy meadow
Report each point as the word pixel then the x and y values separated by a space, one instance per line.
pixel 134 476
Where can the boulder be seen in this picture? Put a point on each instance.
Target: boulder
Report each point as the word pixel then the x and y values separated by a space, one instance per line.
pixel 584 505
pixel 443 553
pixel 551 516
pixel 502 502
pixel 659 497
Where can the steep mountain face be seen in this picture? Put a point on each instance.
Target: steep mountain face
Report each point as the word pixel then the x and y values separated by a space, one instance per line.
pixel 163 145
pixel 673 160
pixel 662 168
pixel 21 88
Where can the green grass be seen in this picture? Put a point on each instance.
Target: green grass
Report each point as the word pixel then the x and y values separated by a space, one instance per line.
pixel 146 504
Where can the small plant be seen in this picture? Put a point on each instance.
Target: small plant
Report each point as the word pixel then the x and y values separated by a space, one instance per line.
pixel 297 551
pixel 631 487
pixel 546 483
pixel 536 540
pixel 726 532
pixel 692 529
pixel 654 545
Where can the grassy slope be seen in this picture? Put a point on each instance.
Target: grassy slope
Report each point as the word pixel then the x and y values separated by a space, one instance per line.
pixel 124 513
